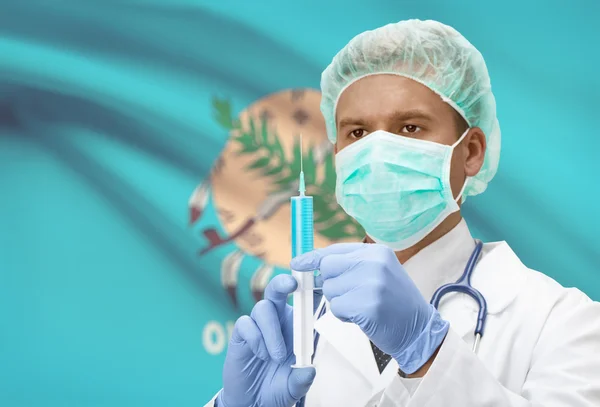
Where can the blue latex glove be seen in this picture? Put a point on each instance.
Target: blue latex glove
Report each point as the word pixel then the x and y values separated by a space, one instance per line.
pixel 366 284
pixel 257 370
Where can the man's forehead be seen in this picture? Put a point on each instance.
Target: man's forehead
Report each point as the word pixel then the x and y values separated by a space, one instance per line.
pixel 388 96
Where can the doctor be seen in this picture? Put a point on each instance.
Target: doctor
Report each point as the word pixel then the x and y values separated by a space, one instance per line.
pixel 410 109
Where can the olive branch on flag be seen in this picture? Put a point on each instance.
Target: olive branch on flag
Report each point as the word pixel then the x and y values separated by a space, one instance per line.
pixel 256 139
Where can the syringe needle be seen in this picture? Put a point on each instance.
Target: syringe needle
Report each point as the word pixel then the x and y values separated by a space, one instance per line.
pixel 301 186
pixel 301 155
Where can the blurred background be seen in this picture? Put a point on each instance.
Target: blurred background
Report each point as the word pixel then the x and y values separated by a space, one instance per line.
pixel 148 151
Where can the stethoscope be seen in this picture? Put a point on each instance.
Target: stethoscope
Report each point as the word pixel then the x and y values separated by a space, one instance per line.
pixel 462 285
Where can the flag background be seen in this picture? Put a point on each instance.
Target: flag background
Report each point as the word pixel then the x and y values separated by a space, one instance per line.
pixel 107 126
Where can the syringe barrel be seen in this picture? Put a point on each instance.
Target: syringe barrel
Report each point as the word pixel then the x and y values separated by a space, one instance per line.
pixel 302 242
pixel 303 319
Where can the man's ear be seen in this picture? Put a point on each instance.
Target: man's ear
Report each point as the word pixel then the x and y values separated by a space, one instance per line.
pixel 476 145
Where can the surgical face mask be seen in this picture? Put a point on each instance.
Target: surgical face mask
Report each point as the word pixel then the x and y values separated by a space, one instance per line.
pixel 397 188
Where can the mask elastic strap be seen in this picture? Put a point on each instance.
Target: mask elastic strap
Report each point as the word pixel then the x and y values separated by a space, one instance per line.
pixel 462 190
pixel 461 138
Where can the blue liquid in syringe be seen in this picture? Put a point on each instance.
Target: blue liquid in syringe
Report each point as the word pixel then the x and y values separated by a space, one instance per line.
pixel 302 222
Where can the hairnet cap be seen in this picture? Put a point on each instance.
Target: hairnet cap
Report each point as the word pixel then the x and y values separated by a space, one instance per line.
pixel 432 54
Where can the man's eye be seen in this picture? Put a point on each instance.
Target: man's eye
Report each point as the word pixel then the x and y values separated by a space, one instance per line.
pixel 358 133
pixel 410 128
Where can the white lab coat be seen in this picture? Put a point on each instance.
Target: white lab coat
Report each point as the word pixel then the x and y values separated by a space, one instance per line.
pixel 541 345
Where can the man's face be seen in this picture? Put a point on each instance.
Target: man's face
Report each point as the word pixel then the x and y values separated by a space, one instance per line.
pixel 405 107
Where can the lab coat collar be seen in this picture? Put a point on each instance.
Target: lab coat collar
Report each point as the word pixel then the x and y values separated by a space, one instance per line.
pixel 497 276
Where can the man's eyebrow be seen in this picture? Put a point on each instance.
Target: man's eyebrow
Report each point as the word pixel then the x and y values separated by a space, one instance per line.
pixel 399 115
pixel 412 114
pixel 352 121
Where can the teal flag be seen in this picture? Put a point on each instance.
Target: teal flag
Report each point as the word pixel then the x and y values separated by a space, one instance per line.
pixel 148 150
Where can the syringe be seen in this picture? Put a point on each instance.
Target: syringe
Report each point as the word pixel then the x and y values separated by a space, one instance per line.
pixel 302 242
